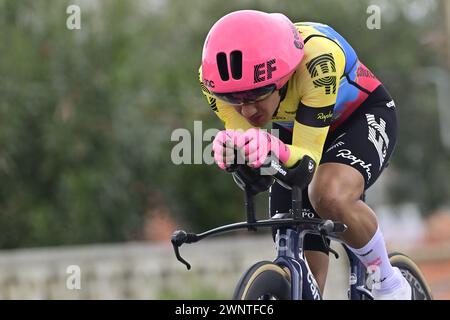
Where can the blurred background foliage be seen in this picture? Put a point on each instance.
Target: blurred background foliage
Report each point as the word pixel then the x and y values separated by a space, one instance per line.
pixel 86 115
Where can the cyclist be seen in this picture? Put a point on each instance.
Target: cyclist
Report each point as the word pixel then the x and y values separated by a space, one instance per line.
pixel 304 78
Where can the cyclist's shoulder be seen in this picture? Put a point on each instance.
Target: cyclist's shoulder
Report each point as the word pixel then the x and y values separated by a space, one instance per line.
pixel 310 30
pixel 320 49
pixel 318 37
pixel 323 61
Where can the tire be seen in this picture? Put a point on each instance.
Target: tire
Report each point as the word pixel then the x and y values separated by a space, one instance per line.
pixel 264 281
pixel 412 273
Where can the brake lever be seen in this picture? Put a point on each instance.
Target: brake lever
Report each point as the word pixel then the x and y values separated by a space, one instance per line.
pixel 178 238
pixel 324 239
pixel 179 257
pixel 324 228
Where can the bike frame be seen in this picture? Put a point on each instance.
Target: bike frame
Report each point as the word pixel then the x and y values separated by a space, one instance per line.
pixel 357 290
pixel 291 230
pixel 290 254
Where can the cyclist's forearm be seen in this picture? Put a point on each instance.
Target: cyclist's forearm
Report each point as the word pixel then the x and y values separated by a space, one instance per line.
pixel 306 141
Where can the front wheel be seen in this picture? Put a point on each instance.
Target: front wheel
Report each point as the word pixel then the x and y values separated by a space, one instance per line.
pixel 264 281
pixel 412 273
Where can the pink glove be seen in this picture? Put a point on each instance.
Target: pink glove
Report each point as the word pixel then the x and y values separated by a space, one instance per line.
pixel 256 145
pixel 223 147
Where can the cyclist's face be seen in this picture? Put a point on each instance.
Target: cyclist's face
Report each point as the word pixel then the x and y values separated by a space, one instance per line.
pixel 258 114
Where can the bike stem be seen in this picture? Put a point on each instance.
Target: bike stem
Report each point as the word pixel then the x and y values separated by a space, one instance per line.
pixel 250 208
pixel 297 202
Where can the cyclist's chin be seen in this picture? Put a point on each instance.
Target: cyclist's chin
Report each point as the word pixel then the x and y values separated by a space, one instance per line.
pixel 259 121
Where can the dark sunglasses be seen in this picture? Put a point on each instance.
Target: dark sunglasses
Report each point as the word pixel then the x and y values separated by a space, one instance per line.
pixel 246 97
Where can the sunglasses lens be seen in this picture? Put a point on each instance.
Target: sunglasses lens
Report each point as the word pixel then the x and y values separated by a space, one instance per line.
pixel 248 96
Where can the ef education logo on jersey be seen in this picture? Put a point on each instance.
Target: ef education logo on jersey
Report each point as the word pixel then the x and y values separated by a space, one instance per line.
pixel 323 72
pixel 264 70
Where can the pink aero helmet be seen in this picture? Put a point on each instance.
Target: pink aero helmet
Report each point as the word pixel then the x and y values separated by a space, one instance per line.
pixel 249 53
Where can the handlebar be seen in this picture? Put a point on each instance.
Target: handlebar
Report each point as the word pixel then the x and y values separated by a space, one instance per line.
pixel 318 226
pixel 300 175
pixel 254 181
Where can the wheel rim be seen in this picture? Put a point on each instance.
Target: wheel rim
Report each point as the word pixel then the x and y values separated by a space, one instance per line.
pixel 419 292
pixel 268 296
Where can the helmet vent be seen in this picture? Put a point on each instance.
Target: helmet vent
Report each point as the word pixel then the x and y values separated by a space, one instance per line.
pixel 222 64
pixel 236 64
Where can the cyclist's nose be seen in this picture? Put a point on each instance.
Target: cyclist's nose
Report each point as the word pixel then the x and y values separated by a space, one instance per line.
pixel 249 110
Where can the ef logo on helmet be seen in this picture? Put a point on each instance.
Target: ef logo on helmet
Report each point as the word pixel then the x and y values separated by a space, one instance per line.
pixel 260 70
